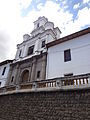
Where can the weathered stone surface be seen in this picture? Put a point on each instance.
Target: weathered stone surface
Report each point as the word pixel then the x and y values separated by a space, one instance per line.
pixel 54 105
pixel 33 65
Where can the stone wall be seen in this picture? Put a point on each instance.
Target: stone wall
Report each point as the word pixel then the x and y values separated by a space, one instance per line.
pixel 46 105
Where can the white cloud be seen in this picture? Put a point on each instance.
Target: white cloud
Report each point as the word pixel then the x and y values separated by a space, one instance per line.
pixel 83 19
pixel 13 26
pixel 57 15
pixel 84 16
pixel 39 6
pixel 86 1
pixel 25 3
pixel 8 20
pixel 76 6
pixel 37 1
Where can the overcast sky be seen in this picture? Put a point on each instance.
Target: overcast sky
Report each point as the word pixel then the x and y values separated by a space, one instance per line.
pixel 17 17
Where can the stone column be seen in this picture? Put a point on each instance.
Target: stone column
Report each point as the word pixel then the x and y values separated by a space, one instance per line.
pixel 47 38
pixel 33 70
pixel 17 52
pixel 9 76
pixel 43 70
pixel 17 72
pixel 29 74
pixel 25 50
pixel 36 48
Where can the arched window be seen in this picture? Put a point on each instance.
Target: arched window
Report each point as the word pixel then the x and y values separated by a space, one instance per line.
pixel 25 76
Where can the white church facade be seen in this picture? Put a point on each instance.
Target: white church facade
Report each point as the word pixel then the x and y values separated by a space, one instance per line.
pixel 43 33
pixel 31 56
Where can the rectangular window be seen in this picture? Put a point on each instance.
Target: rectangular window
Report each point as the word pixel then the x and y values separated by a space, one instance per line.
pixel 30 50
pixel 3 70
pixel 12 79
pixel 38 74
pixel 43 44
pixel 37 25
pixel 67 55
pixel 20 53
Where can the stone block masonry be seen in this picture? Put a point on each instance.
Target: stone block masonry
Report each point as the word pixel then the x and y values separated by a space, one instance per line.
pixel 46 105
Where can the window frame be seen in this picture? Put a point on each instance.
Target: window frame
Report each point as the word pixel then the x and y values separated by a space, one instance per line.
pixel 38 25
pixel 31 48
pixel 4 69
pixel 67 55
pixel 12 79
pixel 20 52
pixel 43 44
pixel 38 74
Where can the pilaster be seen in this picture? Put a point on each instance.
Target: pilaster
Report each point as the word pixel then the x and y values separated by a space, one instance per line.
pixel 33 70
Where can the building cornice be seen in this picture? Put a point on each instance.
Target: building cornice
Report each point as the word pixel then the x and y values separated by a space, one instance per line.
pixel 37 36
pixel 5 62
pixel 68 37
pixel 29 58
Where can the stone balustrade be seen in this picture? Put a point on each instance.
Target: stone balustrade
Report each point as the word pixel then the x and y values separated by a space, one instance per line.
pixel 79 81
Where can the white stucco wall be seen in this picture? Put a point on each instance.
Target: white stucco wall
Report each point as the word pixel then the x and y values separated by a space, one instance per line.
pixel 4 77
pixel 80 58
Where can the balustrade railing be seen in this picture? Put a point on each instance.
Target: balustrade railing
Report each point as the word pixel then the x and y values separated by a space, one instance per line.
pixel 61 83
pixel 79 80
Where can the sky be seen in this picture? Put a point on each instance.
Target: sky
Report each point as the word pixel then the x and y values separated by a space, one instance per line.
pixel 17 17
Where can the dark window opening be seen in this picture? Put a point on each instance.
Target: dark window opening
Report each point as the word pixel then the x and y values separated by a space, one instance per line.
pixel 20 53
pixel 0 83
pixel 43 43
pixel 30 50
pixel 12 79
pixel 68 75
pixel 67 55
pixel 4 71
pixel 37 25
pixel 38 74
